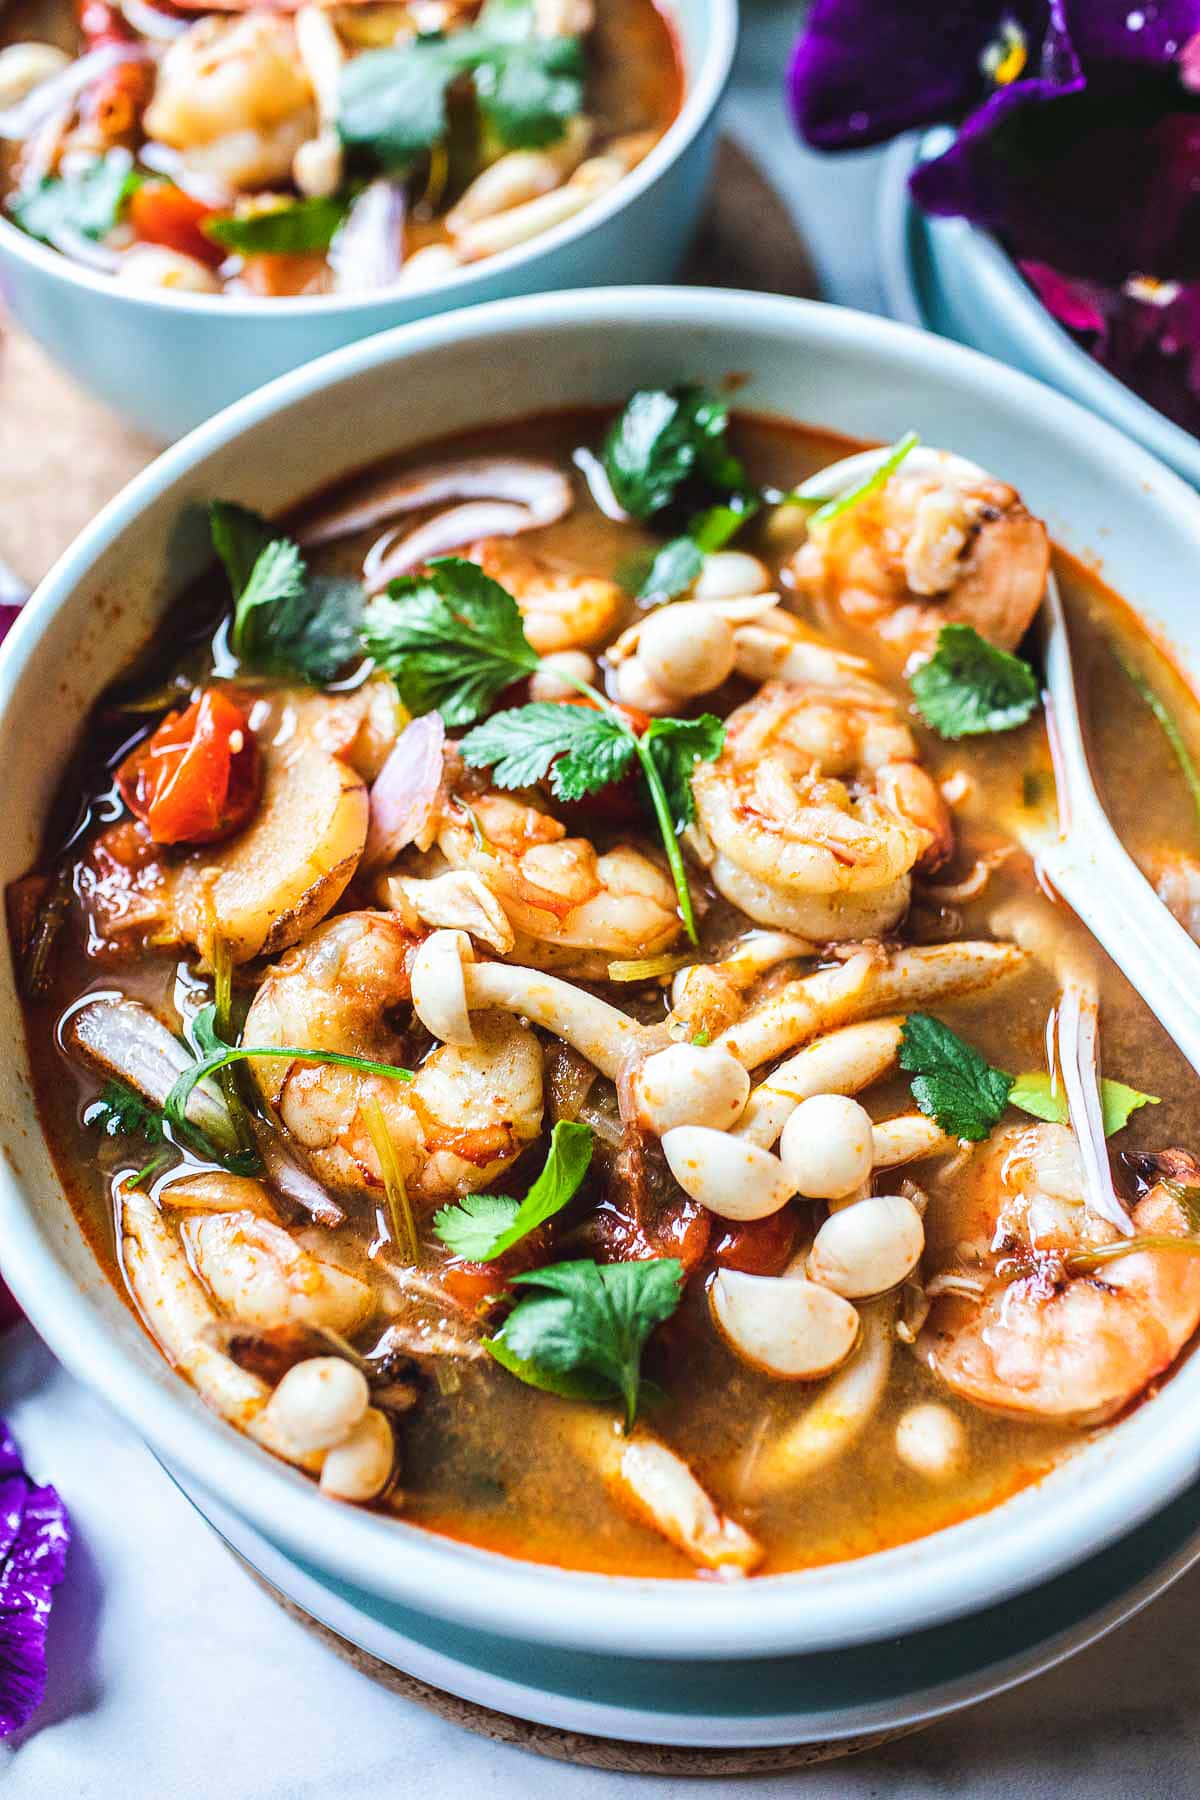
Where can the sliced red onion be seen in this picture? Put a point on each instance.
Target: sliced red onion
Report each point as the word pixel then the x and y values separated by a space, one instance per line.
pixel 153 23
pixel 539 489
pixel 600 487
pixel 20 122
pixel 368 251
pixel 1079 1061
pixel 296 1184
pixel 395 553
pixel 405 790
pixel 124 1038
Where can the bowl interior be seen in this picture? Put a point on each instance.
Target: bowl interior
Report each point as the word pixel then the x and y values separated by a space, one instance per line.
pixel 1103 498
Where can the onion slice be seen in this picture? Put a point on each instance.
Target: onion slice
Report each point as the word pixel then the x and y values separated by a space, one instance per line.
pixel 405 790
pixel 1078 1056
pixel 124 1038
pixel 20 122
pixel 540 488
pixel 367 253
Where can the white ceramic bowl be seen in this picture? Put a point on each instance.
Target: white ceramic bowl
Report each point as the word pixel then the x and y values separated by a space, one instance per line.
pixel 167 361
pixel 951 277
pixel 1101 495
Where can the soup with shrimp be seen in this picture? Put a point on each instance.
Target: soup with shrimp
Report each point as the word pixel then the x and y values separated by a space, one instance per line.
pixel 215 146
pixel 536 995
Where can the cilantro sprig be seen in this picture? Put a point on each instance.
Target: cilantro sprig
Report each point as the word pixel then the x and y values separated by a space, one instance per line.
pixel 969 687
pixel 88 201
pixel 953 1084
pixel 483 1226
pixel 392 103
pixel 285 621
pixel 213 1054
pixel 293 227
pixel 119 1112
pixel 582 1331
pixel 452 640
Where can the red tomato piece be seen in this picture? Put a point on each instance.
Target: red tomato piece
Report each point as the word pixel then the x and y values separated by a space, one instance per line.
pixel 196 778
pixel 756 1246
pixel 162 213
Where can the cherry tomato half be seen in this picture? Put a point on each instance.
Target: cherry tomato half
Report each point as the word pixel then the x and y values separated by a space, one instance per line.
pixel 756 1246
pixel 162 213
pixel 196 778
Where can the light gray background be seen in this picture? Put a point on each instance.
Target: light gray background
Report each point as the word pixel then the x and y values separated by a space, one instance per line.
pixel 175 1679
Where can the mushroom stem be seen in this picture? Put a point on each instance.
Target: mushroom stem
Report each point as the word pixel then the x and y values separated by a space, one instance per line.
pixel 861 987
pixel 598 1031
pixel 843 1062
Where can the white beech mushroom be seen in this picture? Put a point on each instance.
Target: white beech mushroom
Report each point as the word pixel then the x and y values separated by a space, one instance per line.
pixel 869 1247
pixel 838 1414
pixel 791 1329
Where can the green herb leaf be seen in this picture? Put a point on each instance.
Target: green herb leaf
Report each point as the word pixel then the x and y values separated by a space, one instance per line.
pixel 662 439
pixel 528 91
pixel 119 1112
pixel 451 639
pixel 1166 722
pixel 969 687
pixel 285 621
pixel 89 201
pixel 712 529
pixel 392 103
pixel 952 1083
pixel 675 746
pixel 870 484
pixel 1037 1095
pixel 213 1054
pixel 673 570
pixel 583 1332
pixel 582 750
pixel 484 1226
pixel 290 229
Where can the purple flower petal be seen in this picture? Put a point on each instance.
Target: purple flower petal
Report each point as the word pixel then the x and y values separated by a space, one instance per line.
pixel 1092 187
pixel 34 1568
pixel 864 70
pixel 1135 35
pixel 1076 304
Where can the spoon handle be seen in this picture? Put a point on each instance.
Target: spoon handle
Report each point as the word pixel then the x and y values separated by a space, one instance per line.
pixel 1085 860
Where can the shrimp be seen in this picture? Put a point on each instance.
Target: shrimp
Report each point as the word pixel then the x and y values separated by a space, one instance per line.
pixel 257 1272
pixel 817 811
pixel 940 543
pixel 561 609
pixel 233 96
pixel 470 1110
pixel 571 908
pixel 1053 1343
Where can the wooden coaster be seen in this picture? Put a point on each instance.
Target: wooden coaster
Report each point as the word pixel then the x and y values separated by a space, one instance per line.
pixel 613 1755
pixel 64 455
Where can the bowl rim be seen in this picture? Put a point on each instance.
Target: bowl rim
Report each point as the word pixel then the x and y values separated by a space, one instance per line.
pixel 996 274
pixel 955 1571
pixel 701 97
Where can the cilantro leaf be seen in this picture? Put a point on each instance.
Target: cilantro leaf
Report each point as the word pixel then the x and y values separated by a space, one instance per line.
pixel 969 687
pixel 583 1332
pixel 484 1226
pixel 89 200
pixel 952 1083
pixel 392 103
pixel 1037 1095
pixel 581 749
pixel 528 91
pixel 673 569
pixel 675 746
pixel 285 620
pixel 660 440
pixel 120 1112
pixel 293 227
pixel 716 525
pixel 451 639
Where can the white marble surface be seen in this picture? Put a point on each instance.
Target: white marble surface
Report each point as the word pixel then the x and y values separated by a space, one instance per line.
pixel 174 1678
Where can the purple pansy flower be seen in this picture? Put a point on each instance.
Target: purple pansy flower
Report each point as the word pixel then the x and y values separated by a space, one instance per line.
pixel 35 1533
